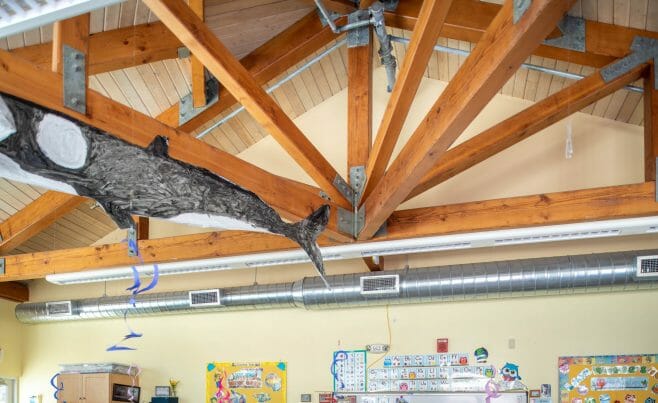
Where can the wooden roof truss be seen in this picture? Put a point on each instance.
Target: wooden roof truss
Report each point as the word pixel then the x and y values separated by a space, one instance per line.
pixel 503 43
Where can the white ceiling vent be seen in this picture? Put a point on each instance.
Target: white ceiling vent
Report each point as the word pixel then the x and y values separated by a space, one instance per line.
pixel 58 308
pixel 374 285
pixel 566 236
pixel 203 298
pixel 647 266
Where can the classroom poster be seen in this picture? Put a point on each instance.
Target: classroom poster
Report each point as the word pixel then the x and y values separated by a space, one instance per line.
pixel 609 379
pixel 234 382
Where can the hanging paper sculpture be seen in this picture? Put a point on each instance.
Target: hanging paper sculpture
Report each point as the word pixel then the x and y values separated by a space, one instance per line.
pixel 44 148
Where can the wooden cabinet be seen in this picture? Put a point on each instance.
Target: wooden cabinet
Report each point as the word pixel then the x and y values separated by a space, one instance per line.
pixel 90 388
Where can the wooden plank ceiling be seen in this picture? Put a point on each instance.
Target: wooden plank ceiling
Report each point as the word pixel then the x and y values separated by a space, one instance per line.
pixel 243 26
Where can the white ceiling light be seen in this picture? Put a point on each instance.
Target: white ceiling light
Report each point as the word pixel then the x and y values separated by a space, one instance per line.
pixel 20 16
pixel 587 230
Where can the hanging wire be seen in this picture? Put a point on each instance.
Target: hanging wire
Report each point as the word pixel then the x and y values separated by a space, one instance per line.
pixel 390 337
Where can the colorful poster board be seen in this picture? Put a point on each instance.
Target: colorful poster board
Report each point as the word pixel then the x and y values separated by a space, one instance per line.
pixel 609 379
pixel 234 382
pixel 349 371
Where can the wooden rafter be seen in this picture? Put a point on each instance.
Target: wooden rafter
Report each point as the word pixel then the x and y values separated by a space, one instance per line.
pixel 614 202
pixel 523 125
pixel 116 49
pixel 15 292
pixel 650 124
pixel 373 265
pixel 34 218
pixel 496 57
pixel 421 47
pixel 270 60
pixel 198 75
pixel 142 224
pixel 467 20
pixel 222 64
pixel 21 79
pixel 73 32
pixel 359 104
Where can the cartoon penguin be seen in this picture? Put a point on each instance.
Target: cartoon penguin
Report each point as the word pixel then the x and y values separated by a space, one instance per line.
pixel 510 372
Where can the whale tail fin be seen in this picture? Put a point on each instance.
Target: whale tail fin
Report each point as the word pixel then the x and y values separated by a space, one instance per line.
pixel 306 233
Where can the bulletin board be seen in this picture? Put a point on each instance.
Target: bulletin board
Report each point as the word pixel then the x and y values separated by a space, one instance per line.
pixel 609 379
pixel 233 382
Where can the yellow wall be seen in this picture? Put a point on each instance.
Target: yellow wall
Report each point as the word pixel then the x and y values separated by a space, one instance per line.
pixel 544 328
pixel 11 341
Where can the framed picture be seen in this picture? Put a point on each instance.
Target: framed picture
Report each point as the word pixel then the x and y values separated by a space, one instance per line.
pixel 163 391
pixel 534 393
pixel 125 393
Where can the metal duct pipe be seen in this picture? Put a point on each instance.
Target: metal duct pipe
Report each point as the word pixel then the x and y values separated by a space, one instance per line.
pixel 385 47
pixel 529 277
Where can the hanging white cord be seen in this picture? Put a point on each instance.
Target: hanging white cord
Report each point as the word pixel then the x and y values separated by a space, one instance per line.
pixel 568 149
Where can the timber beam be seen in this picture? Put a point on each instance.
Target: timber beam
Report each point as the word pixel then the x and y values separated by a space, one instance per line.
pixel 496 57
pixel 650 124
pixel 210 51
pixel 419 51
pixel 116 49
pixel 270 60
pixel 525 124
pixel 468 20
pixel 34 218
pixel 614 202
pixel 26 81
pixel 15 292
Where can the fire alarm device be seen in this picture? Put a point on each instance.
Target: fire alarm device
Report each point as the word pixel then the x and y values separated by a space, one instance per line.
pixel 441 345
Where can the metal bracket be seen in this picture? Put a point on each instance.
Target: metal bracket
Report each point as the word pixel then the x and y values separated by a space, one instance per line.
pixel 573 34
pixel 391 5
pixel 132 242
pixel 2 265
pixel 382 231
pixel 351 223
pixel 520 7
pixel 184 52
pixel 332 14
pixel 186 109
pixel 75 83
pixel 644 49
pixel 344 189
pixel 324 195
pixel 358 181
pixel 358 36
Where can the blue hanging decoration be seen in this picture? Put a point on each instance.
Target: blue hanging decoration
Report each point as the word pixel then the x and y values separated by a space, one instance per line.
pixel 57 388
pixel 135 290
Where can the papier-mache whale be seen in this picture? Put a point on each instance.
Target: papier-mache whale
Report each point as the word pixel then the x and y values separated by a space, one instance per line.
pixel 45 148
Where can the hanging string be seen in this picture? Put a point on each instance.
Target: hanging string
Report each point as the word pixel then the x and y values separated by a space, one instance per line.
pixel 388 326
pixel 568 150
pixel 57 388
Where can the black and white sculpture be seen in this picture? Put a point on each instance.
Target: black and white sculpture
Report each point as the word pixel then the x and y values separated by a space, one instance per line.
pixel 44 148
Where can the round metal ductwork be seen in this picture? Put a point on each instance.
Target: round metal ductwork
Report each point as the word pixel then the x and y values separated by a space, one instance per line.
pixel 606 272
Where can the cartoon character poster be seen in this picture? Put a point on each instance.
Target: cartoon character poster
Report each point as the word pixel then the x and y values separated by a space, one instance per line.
pixel 609 379
pixel 231 382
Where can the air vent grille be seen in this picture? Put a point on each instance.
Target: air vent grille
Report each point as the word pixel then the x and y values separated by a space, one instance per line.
pixel 647 266
pixel 557 237
pixel 373 285
pixel 417 249
pixel 204 298
pixel 58 308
